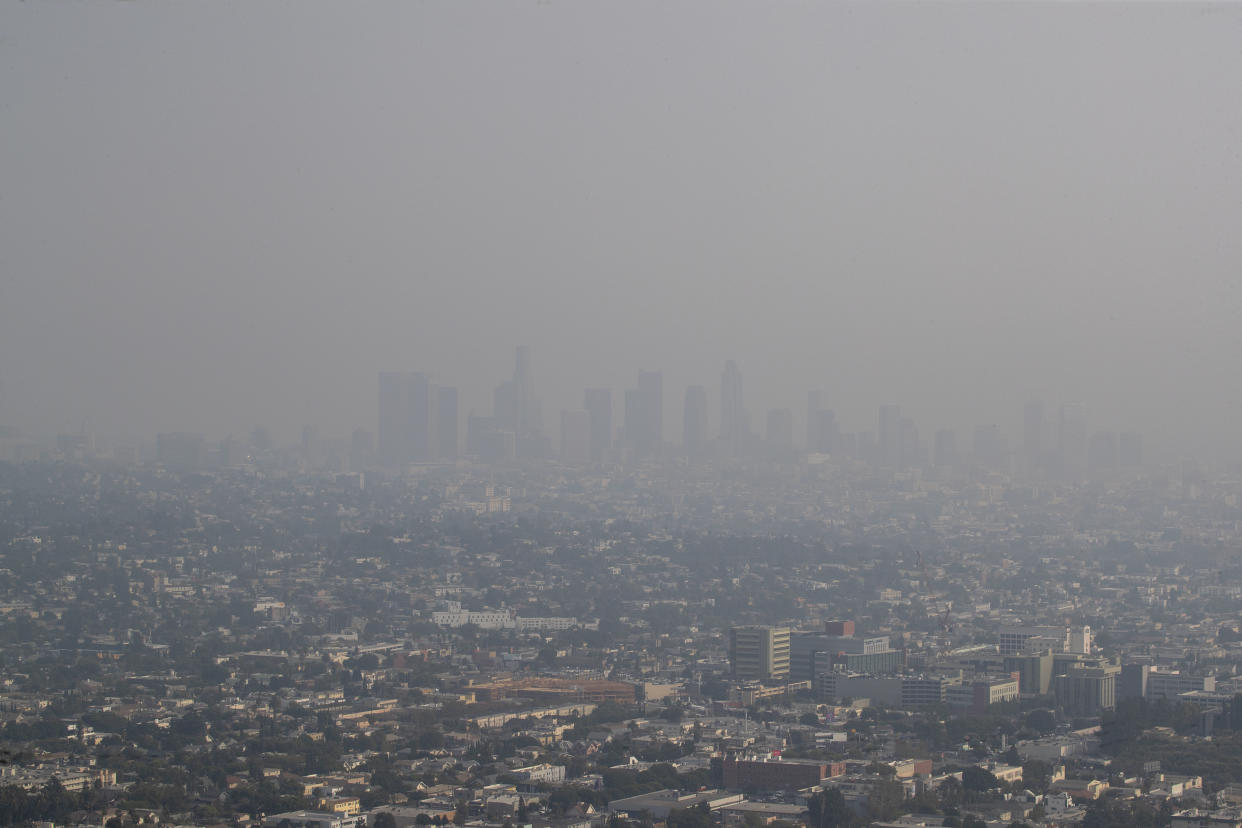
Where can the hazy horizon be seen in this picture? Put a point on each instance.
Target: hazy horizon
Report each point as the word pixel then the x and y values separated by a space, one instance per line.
pixel 226 214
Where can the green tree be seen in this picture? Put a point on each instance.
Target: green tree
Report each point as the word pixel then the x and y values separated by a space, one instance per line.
pixel 886 799
pixel 829 810
pixel 975 778
pixel 697 817
pixel 1035 775
pixel 950 793
pixel 1042 721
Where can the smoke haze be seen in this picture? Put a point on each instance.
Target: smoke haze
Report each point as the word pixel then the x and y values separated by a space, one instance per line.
pixel 214 215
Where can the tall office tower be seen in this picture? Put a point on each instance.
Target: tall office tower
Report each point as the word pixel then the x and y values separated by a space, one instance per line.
pixel 848 445
pixel 310 444
pixel 694 425
pixel 644 414
pixel 651 384
pixel 1033 436
pixel 407 418
pixel 598 403
pixel 447 419
pixel 1130 450
pixel 1072 441
pixel 529 411
pixel 827 433
pixel 945 449
pixel 911 451
pixel 759 652
pixel 507 406
pixel 576 437
pixel 888 436
pixel 422 418
pixel 394 447
pixel 779 431
pixel 732 413
pixel 1102 453
pixel 632 423
pixel 477 429
pixel 813 404
pixel 866 447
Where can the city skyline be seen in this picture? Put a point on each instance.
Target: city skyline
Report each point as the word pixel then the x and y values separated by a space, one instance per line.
pixel 418 419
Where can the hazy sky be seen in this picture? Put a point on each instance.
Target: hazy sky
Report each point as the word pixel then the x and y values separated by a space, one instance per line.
pixel 217 214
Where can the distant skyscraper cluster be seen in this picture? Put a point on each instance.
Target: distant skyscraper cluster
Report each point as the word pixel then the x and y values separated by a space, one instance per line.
pixel 417 419
pixel 418 423
pixel 515 429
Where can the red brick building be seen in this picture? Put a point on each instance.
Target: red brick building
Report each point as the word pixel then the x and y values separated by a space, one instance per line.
pixel 778 774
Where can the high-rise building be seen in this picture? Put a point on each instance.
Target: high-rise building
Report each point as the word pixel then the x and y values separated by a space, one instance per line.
pixel 576 437
pixel 310 444
pixel 759 652
pixel 408 411
pixel 694 424
pixel 988 447
pixel 888 436
pixel 945 450
pixel 910 451
pixel 506 406
pixel 651 384
pixel 779 432
pixel 827 433
pixel 421 424
pixel 732 412
pixel 394 447
pixel 1072 441
pixel 598 403
pixel 644 414
pixel 1033 435
pixel 515 404
pixel 447 423
pixel 529 414
pixel 813 406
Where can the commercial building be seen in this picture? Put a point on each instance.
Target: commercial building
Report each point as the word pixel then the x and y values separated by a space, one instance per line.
pixel 658 804
pixel 732 413
pixel 1034 672
pixel 1087 691
pixel 978 695
pixel 694 425
pixel 835 687
pixel 314 819
pixel 1014 640
pixel 598 403
pixel 550 774
pixel 918 691
pixel 1169 684
pixel 759 652
pixel 777 774
pixel 1196 818
pixel 812 653
pixel 410 415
